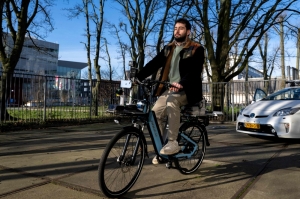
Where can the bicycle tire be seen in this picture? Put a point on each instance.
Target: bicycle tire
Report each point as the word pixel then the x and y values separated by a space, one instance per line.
pixel 195 132
pixel 117 177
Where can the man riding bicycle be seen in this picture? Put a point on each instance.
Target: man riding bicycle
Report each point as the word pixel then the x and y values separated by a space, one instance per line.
pixel 181 62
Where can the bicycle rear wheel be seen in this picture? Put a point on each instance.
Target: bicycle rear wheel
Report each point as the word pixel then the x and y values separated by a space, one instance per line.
pixel 195 132
pixel 119 167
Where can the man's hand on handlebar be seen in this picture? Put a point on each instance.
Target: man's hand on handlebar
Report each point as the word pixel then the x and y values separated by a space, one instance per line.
pixel 135 81
pixel 175 87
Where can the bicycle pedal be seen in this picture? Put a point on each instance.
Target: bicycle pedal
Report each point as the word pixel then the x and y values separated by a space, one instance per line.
pixel 169 165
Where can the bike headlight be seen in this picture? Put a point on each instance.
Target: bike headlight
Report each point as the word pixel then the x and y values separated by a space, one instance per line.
pixel 286 111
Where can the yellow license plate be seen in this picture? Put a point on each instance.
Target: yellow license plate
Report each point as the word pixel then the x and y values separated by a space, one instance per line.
pixel 252 125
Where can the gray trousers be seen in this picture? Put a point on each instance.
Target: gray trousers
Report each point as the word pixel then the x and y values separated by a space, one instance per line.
pixel 168 104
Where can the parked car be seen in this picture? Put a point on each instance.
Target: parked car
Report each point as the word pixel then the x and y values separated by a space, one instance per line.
pixel 276 115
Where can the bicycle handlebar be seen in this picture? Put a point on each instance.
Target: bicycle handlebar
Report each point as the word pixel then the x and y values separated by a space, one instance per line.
pixel 150 82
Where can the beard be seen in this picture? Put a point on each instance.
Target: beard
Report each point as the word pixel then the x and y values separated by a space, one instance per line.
pixel 180 39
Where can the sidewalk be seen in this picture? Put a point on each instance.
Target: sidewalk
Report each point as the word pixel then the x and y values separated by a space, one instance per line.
pixel 61 162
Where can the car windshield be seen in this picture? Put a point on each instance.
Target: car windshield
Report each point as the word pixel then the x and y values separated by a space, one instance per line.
pixel 285 94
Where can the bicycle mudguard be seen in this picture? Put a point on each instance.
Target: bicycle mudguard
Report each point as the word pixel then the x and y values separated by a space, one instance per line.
pixel 132 128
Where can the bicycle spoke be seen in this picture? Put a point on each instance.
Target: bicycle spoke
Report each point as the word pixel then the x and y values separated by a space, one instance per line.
pixel 189 165
pixel 117 170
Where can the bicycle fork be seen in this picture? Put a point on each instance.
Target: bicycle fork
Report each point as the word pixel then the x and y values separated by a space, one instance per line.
pixel 131 159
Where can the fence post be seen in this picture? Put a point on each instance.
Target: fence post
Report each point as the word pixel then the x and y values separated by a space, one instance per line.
pixel 232 100
pixel 45 104
pixel 91 98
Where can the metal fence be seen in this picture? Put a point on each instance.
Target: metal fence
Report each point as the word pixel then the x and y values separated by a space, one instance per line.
pixel 236 94
pixel 40 98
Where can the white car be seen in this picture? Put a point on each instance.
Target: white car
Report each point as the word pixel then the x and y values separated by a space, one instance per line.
pixel 277 115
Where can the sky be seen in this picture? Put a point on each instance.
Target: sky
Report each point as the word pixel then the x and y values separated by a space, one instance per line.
pixel 69 35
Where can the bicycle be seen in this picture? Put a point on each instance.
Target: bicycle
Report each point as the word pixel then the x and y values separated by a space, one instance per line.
pixel 122 160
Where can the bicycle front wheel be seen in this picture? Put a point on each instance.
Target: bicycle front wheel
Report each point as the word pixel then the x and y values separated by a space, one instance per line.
pixel 195 132
pixel 121 163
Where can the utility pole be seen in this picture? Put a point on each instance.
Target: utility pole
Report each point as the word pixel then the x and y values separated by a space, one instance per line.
pixel 281 18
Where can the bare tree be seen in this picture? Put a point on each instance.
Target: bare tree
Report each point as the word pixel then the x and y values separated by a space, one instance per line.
pixel 107 59
pixel 140 18
pixel 85 74
pixel 122 47
pixel 268 62
pixel 96 16
pixel 106 73
pixel 164 22
pixel 229 20
pixel 18 19
pixel 263 51
pixel 272 60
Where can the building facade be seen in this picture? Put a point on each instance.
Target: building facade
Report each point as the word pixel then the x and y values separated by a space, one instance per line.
pixel 39 71
pixel 37 56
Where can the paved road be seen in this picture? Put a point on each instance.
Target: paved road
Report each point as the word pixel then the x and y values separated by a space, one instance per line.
pixel 61 162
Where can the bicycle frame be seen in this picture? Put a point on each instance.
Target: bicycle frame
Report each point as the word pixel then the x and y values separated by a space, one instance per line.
pixel 155 134
pixel 157 140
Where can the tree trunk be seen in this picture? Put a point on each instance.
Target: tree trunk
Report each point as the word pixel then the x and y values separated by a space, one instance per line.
pixel 95 92
pixel 218 90
pixel 5 93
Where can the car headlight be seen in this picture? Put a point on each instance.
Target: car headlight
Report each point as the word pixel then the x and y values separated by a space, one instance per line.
pixel 286 111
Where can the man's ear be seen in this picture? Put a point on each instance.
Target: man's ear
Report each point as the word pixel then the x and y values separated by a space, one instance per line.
pixel 188 32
